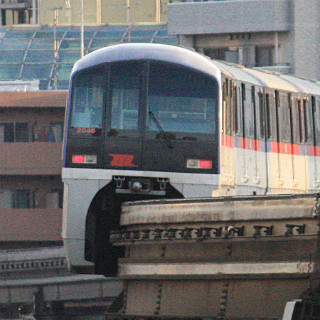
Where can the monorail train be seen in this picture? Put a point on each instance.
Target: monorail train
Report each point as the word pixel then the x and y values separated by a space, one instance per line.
pixel 149 121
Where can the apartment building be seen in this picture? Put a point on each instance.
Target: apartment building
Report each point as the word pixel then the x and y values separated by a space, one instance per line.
pixel 279 35
pixel 31 190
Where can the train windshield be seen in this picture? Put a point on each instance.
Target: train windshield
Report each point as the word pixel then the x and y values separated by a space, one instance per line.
pixel 135 98
pixel 87 103
pixel 181 100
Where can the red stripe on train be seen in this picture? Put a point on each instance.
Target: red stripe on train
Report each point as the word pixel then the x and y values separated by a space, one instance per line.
pixel 249 144
pixel 285 148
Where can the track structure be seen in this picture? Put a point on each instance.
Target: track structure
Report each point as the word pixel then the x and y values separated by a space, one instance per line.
pixel 219 258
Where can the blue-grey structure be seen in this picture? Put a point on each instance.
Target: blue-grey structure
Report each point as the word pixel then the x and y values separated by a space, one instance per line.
pixel 48 53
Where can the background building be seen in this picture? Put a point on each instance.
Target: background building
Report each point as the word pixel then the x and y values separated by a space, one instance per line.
pixel 283 35
pixel 67 12
pixel 31 129
pixel 47 54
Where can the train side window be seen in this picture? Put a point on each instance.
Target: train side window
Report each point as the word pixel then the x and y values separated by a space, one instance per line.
pixel 296 132
pixel 262 115
pixel 316 119
pixel 227 109
pixel 235 125
pixel 267 117
pixel 249 112
pixel 305 118
pixel 241 109
pixel 284 118
pixel 302 119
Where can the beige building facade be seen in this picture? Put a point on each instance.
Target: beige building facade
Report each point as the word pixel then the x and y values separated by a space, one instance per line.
pixel 280 35
pixel 69 12
pixel 31 190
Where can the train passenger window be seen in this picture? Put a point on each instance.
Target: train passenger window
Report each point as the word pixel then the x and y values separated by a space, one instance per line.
pixel 262 117
pixel 305 118
pixel 271 116
pixel 87 102
pixel 249 112
pixel 284 118
pixel 181 100
pixel 316 120
pixel 302 119
pixel 235 119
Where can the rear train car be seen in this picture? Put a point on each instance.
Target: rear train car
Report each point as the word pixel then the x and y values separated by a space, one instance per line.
pixel 149 121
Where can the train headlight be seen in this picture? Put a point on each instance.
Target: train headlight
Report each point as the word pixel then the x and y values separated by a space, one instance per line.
pixel 84 158
pixel 199 164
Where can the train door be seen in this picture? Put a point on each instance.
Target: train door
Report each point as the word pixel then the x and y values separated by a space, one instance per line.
pixel 300 139
pixel 248 135
pixel 270 122
pixel 229 116
pixel 123 141
pixel 260 179
pixel 286 171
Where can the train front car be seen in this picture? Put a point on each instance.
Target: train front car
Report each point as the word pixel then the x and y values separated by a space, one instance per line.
pixel 142 123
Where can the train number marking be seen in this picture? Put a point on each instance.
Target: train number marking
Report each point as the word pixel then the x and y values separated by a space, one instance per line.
pixel 122 160
pixel 86 130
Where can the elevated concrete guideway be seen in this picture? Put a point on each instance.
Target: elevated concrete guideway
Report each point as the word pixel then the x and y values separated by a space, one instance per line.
pixel 24 273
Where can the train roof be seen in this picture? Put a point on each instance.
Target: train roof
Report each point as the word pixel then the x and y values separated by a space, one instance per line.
pixel 196 61
pixel 268 79
pixel 149 51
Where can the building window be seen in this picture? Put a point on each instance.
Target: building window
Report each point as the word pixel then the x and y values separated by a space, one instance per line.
pixel 15 198
pixel 55 199
pixel 14 132
pixel 224 54
pixel 55 132
pixel 264 56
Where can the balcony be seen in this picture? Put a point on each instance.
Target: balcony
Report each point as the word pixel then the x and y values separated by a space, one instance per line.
pixel 216 17
pixel 31 158
pixel 30 224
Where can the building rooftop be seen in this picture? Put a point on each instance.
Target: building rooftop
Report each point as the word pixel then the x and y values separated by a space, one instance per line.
pixel 48 53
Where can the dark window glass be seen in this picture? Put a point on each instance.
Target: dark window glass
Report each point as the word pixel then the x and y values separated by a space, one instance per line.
pixel 87 102
pixel 22 132
pixel 268 116
pixel 304 117
pixel 235 110
pixel 181 100
pixel 302 120
pixel 6 132
pixel 264 56
pixel 262 116
pixel 55 132
pixel 284 118
pixel 248 113
pixel 316 120
pixel 125 92
pixel 21 199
